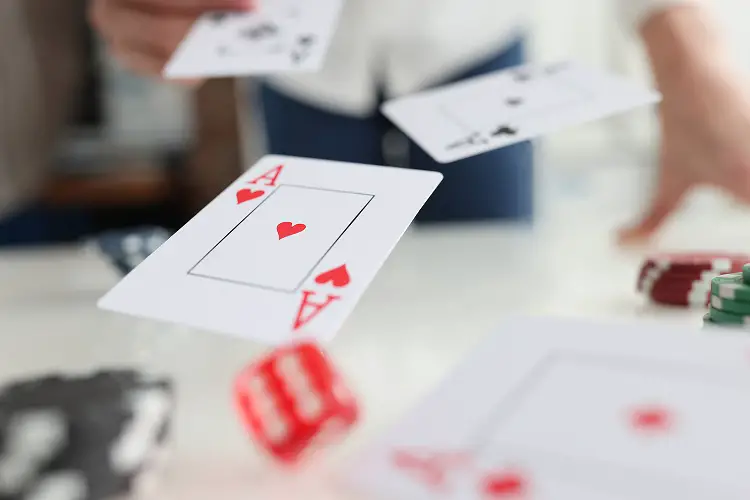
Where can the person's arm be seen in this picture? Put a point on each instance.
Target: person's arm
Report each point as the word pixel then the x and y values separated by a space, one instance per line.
pixel 677 34
pixel 704 115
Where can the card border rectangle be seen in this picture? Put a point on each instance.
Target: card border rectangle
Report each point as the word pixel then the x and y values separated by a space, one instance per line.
pixel 310 271
pixel 479 443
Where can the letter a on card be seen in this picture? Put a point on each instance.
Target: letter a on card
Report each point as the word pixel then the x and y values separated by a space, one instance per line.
pixel 309 309
pixel 270 177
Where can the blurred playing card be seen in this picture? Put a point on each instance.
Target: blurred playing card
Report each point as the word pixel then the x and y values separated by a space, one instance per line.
pixel 279 36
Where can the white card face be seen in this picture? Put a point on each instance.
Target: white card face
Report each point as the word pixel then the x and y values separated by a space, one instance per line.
pixel 562 410
pixel 284 253
pixel 510 106
pixel 279 36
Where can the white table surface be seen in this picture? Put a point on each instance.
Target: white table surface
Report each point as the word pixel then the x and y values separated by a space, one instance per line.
pixel 439 293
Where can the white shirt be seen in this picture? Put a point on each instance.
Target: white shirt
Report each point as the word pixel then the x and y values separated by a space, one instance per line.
pixel 402 46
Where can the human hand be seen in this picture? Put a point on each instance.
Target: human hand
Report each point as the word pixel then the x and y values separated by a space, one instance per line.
pixel 143 34
pixel 704 123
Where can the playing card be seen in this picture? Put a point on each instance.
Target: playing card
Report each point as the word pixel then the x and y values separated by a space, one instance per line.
pixel 506 107
pixel 279 36
pixel 562 409
pixel 285 252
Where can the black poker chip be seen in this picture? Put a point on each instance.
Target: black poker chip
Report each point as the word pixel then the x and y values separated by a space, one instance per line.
pixel 126 249
pixel 114 420
pixel 30 441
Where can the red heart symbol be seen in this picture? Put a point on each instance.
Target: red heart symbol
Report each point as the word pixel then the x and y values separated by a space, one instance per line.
pixel 651 418
pixel 503 485
pixel 244 195
pixel 338 277
pixel 288 229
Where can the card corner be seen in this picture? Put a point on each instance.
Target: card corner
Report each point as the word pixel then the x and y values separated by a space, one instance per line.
pixel 439 176
pixel 385 107
pixel 103 302
pixel 444 160
pixel 169 74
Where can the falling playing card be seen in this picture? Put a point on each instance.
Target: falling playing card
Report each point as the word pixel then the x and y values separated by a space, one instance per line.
pixel 284 253
pixel 279 36
pixel 562 410
pixel 506 107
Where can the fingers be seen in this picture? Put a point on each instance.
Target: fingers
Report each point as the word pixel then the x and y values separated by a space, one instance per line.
pixel 669 196
pixel 143 34
pixel 130 29
pixel 672 187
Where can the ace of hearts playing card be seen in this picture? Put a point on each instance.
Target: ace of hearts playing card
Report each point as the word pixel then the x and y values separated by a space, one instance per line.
pixel 285 252
pixel 558 409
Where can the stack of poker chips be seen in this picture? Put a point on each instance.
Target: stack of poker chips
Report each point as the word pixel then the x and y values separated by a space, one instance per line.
pixel 91 437
pixel 684 280
pixel 730 300
pixel 126 249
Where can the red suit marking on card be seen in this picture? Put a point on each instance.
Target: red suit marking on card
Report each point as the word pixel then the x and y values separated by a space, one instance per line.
pixel 431 469
pixel 504 485
pixel 338 277
pixel 244 195
pixel 314 307
pixel 652 418
pixel 286 229
pixel 270 176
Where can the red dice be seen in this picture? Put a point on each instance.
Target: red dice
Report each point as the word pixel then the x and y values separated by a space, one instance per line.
pixel 294 402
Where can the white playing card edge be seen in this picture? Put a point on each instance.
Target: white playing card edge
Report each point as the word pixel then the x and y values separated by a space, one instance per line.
pixel 272 341
pixel 442 159
pixel 276 158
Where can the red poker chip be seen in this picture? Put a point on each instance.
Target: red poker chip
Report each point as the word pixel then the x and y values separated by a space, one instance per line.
pixel 695 291
pixel 675 280
pixel 699 265
pixel 680 299
pixel 651 276
pixel 718 261
pixel 686 293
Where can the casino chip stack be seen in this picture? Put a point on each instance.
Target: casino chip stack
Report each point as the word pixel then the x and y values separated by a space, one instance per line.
pixel 730 300
pixel 684 280
pixel 126 249
pixel 82 438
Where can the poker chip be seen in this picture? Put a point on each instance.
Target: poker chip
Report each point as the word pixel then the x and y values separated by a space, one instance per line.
pixel 732 287
pixel 718 316
pixel 730 300
pixel 746 273
pixel 116 422
pixel 654 276
pixel 729 305
pixel 709 323
pixel 720 262
pixel 684 280
pixel 695 298
pixel 29 441
pixel 126 249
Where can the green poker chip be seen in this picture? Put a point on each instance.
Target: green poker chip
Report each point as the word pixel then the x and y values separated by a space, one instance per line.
pixel 729 305
pixel 724 317
pixel 731 286
pixel 746 273
pixel 709 323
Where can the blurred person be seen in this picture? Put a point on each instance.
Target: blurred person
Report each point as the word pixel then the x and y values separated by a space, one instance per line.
pixel 41 71
pixel 394 47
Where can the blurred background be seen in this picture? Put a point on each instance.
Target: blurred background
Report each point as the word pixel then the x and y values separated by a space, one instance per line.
pixel 133 151
pixel 130 152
